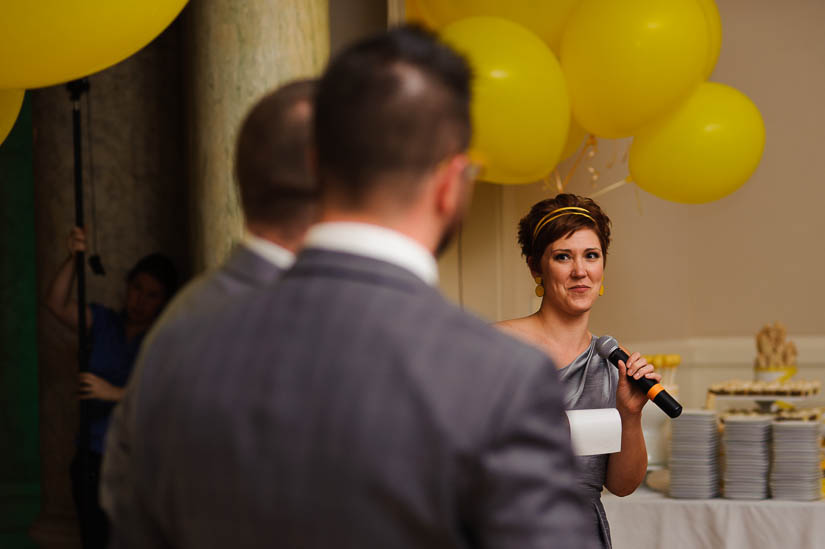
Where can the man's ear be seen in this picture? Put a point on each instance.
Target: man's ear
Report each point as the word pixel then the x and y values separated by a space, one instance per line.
pixel 449 185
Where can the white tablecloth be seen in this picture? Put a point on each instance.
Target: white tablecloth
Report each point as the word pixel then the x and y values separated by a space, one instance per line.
pixel 648 519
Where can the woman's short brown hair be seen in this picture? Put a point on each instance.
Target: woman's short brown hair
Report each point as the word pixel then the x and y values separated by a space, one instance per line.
pixel 561 227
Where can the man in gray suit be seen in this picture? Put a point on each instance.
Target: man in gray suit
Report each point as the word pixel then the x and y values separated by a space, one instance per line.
pixel 351 406
pixel 278 196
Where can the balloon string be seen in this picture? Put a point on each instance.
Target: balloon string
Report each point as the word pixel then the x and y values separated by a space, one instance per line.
pixel 552 181
pixel 591 142
pixel 611 187
pixel 557 179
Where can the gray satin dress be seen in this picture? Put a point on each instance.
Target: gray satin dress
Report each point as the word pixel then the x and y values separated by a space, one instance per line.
pixel 590 382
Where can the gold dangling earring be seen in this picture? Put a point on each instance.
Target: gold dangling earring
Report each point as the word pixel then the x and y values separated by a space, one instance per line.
pixel 539 287
pixel 601 288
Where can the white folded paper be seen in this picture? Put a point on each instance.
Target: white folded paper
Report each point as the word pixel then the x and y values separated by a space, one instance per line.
pixel 597 431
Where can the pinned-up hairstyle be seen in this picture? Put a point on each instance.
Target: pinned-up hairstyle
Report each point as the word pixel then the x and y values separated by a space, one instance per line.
pixel 559 217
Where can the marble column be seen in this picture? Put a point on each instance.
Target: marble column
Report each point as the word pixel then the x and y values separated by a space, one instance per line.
pixel 238 51
pixel 134 192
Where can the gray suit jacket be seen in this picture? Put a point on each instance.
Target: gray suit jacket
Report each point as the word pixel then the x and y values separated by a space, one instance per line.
pixel 349 406
pixel 243 270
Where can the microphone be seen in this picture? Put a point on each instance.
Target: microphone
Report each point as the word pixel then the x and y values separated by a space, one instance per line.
pixel 608 348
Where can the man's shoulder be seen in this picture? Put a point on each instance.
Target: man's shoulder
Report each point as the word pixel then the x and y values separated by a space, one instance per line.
pixel 433 325
pixel 471 323
pixel 249 267
pixel 240 274
pixel 493 342
pixel 205 286
pixel 401 309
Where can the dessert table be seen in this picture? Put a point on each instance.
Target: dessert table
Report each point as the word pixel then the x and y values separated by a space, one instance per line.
pixel 648 519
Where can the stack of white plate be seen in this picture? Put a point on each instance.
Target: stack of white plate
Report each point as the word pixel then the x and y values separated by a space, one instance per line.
pixel 747 456
pixel 795 463
pixel 694 455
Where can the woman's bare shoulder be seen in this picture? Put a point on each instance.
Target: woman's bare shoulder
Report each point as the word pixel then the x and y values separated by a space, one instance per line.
pixel 511 323
pixel 522 328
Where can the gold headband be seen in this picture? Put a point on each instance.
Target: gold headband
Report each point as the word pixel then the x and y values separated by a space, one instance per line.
pixel 570 210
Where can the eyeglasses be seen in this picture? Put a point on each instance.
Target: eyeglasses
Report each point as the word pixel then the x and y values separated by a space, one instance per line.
pixel 471 171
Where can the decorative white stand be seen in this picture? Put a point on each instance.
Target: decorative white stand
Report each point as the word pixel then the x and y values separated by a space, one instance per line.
pixel 764 402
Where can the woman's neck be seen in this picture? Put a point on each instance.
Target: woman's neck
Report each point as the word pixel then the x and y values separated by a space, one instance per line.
pixel 566 336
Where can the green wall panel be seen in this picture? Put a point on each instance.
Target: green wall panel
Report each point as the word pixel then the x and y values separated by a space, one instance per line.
pixel 19 458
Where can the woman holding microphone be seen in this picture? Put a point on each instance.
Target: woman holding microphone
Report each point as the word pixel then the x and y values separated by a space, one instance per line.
pixel 565 241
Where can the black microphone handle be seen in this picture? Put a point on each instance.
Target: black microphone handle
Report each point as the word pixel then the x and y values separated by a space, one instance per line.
pixel 661 398
pixel 668 404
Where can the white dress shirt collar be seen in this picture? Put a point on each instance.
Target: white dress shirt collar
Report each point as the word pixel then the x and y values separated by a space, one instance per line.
pixel 277 255
pixel 376 242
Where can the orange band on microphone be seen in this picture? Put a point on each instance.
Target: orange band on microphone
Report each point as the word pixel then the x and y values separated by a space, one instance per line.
pixel 655 390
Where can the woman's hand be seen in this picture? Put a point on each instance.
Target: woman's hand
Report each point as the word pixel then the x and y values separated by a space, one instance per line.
pixel 59 297
pixel 626 469
pixel 630 399
pixel 92 386
pixel 77 240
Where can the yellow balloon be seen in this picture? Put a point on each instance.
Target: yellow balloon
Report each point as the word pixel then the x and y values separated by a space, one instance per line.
pixel 546 18
pixel 10 103
pixel 715 33
pixel 704 150
pixel 46 42
pixel 575 137
pixel 520 104
pixel 628 62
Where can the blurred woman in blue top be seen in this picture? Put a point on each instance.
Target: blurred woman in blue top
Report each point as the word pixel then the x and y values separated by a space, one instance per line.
pixel 115 338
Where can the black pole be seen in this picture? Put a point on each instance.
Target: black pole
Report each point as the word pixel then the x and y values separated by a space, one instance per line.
pixel 76 89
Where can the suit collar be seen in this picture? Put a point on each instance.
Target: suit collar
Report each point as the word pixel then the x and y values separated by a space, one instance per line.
pixel 375 242
pixel 248 265
pixel 344 265
pixel 275 254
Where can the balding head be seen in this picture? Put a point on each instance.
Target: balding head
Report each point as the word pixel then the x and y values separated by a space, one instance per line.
pixel 276 188
pixel 389 109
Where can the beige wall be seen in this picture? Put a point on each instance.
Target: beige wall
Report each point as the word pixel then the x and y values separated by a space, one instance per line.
pixel 679 271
